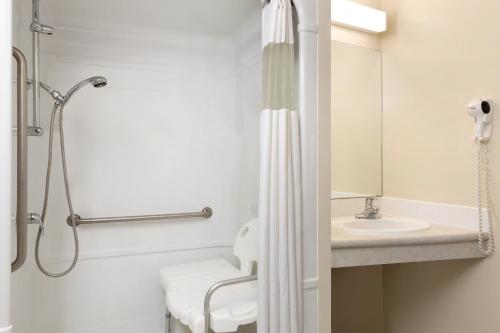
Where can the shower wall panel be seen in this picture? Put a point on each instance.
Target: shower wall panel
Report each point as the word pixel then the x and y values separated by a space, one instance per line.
pixel 175 130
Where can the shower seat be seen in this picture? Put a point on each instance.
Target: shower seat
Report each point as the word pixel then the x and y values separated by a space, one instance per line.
pixel 213 293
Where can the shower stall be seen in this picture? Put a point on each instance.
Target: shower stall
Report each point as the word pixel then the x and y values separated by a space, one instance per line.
pixel 167 150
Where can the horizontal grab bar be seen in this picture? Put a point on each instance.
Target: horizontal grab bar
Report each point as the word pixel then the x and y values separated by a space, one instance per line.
pixel 205 213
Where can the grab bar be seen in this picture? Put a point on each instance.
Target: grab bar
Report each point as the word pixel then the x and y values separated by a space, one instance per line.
pixel 22 160
pixel 205 213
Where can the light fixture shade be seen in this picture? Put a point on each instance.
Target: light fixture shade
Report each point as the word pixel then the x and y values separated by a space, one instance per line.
pixel 360 17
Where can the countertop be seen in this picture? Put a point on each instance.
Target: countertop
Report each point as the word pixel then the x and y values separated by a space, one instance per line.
pixel 439 242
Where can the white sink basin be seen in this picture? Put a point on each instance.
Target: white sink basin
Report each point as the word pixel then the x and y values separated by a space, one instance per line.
pixel 384 225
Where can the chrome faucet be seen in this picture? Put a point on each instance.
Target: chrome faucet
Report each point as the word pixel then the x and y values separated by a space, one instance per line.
pixel 371 211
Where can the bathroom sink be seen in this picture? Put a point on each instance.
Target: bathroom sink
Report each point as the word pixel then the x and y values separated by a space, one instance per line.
pixel 383 225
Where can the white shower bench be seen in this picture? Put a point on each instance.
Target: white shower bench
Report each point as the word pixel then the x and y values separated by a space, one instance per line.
pixel 190 289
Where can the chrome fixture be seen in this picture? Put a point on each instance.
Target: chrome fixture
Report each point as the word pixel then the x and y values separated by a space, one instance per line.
pixel 31 218
pixel 41 28
pixel 212 290
pixel 58 111
pixel 56 95
pixel 60 99
pixel 96 81
pixel 34 218
pixel 371 211
pixel 205 213
pixel 37 28
pixel 22 161
pixel 22 217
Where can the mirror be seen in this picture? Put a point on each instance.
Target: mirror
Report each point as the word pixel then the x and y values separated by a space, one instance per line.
pixel 356 121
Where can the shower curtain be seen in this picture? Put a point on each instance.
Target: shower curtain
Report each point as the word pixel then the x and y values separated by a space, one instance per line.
pixel 280 202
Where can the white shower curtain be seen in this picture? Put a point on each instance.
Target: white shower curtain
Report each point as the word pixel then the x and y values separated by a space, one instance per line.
pixel 280 202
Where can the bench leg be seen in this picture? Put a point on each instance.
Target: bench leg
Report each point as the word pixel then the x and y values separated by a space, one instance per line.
pixel 168 319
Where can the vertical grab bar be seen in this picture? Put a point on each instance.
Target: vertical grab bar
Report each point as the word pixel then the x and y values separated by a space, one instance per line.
pixel 22 160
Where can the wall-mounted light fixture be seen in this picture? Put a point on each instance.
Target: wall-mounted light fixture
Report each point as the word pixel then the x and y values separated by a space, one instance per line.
pixel 357 16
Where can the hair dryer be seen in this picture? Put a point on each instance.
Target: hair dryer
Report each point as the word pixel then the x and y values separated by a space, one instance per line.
pixel 482 111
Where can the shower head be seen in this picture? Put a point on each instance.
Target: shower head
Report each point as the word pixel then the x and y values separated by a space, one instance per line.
pixel 96 81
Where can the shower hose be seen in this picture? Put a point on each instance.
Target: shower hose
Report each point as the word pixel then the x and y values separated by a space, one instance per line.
pixel 58 109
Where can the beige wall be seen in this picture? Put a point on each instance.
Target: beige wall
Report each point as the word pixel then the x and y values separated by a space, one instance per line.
pixel 350 36
pixel 357 303
pixel 437 56
pixel 371 3
pixel 442 297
